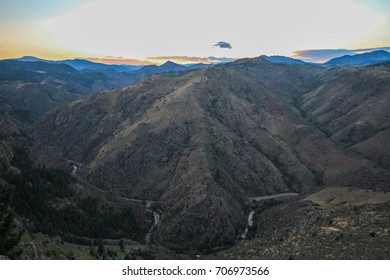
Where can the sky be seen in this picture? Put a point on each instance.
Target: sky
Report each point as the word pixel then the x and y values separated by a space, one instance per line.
pixel 153 31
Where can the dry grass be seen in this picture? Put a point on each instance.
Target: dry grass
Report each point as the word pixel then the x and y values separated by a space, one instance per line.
pixel 348 197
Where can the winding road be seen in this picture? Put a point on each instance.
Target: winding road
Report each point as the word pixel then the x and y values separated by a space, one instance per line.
pixel 280 196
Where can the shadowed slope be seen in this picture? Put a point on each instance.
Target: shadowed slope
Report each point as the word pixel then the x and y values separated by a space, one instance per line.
pixel 353 110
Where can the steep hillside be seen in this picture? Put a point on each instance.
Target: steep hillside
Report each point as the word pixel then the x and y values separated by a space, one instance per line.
pixel 200 143
pixel 51 201
pixel 13 122
pixel 38 87
pixel 353 110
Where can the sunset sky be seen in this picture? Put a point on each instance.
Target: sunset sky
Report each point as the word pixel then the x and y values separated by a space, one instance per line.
pixel 132 31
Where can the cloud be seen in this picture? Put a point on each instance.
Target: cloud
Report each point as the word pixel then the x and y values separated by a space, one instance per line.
pixel 223 45
pixel 221 59
pixel 119 60
pixel 321 56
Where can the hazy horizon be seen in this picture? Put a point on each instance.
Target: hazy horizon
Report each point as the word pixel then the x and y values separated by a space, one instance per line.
pixel 151 32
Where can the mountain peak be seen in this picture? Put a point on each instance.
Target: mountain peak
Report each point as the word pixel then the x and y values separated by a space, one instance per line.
pixel 170 64
pixel 250 61
pixel 282 59
pixel 31 59
pixel 380 52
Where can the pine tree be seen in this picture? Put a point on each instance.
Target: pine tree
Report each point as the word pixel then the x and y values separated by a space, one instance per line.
pixel 122 245
pixel 10 231
pixel 100 250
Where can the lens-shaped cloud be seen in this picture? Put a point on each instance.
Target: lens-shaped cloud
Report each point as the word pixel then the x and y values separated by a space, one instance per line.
pixel 223 45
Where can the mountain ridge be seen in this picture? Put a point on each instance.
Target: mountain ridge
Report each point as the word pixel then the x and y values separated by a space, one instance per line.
pixel 363 59
pixel 283 59
pixel 84 64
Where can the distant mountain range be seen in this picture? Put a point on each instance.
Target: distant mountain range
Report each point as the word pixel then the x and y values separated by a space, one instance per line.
pixel 363 59
pixel 113 69
pixel 85 65
pixel 38 87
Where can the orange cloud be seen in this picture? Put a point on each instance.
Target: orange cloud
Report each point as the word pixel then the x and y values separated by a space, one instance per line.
pixel 119 60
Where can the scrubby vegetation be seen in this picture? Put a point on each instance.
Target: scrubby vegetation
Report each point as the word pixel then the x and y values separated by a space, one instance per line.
pixel 45 198
pixel 10 229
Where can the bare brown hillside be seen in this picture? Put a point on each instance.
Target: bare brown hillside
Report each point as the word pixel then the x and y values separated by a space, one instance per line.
pixel 201 142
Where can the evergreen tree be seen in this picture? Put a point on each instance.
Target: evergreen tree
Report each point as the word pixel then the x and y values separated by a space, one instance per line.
pixel 122 245
pixel 100 250
pixel 10 231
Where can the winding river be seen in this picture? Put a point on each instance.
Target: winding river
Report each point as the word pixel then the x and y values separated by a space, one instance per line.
pixel 280 196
